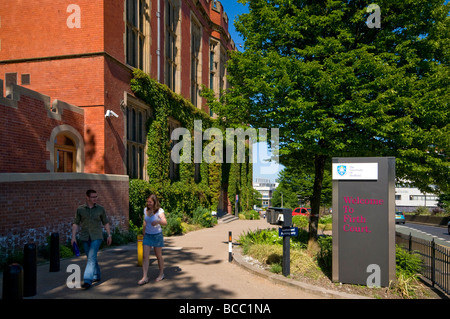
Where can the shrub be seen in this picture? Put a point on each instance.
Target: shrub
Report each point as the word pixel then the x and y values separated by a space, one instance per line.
pixel 203 217
pixel 138 193
pixel 326 219
pixel 300 221
pixel 421 210
pixel 135 229
pixel 65 252
pixel 324 256
pixel 182 197
pixel 264 236
pixel 173 226
pixel 408 264
pixel 10 257
pixel 276 268
pixel 249 215
pixel 271 237
pixel 120 237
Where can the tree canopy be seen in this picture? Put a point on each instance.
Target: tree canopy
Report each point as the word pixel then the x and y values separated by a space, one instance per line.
pixel 336 87
pixel 296 185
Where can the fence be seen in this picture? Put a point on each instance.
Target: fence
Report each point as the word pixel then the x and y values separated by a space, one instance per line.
pixel 436 259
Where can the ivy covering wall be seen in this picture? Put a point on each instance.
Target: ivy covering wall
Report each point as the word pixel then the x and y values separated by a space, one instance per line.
pixel 184 193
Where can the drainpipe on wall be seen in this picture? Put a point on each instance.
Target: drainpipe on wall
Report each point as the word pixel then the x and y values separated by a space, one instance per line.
pixel 158 46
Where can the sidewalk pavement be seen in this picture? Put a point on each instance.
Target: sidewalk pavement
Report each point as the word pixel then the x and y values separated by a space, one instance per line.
pixel 196 267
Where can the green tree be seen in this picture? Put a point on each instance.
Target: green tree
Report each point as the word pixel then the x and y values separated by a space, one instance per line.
pixel 284 194
pixel 336 87
pixel 301 183
pixel 444 202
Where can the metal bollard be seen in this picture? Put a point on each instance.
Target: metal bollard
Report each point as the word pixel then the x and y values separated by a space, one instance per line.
pixel 230 247
pixel 140 249
pixel 54 252
pixel 29 270
pixel 13 282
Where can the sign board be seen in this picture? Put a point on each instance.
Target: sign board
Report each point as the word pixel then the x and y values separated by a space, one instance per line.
pixel 293 231
pixel 355 171
pixel 364 220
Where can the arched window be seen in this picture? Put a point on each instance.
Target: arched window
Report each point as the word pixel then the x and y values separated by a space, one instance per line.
pixel 65 154
pixel 66 148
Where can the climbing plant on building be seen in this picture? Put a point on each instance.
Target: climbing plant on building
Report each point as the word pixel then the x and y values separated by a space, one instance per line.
pixel 194 184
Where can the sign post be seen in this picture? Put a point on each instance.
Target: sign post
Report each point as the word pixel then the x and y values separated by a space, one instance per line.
pixel 364 220
pixel 287 232
pixel 283 217
pixel 286 261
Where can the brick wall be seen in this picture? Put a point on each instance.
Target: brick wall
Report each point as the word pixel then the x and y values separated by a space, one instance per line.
pixel 76 81
pixel 45 28
pixel 117 80
pixel 35 201
pixel 27 121
pixel 34 205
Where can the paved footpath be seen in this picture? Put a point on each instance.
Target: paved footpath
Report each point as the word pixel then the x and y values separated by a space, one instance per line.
pixel 196 267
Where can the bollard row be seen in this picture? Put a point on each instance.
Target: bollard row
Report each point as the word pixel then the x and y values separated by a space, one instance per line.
pixel 18 281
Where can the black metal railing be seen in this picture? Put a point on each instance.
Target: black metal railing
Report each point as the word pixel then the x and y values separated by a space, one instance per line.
pixel 436 259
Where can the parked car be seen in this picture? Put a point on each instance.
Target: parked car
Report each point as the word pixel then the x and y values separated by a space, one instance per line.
pixel 301 211
pixel 448 227
pixel 399 217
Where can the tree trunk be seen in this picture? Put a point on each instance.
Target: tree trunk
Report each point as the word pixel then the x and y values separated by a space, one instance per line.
pixel 319 167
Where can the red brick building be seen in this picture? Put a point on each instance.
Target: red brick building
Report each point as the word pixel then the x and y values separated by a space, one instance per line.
pixel 83 53
pixel 39 141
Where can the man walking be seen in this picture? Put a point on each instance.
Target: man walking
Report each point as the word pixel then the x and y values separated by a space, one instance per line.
pixel 90 217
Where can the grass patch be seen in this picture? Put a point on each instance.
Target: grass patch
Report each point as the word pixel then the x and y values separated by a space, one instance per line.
pixel 272 255
pixel 267 248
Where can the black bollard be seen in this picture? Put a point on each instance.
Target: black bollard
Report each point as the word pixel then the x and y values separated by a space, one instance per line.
pixel 54 252
pixel 29 270
pixel 13 282
pixel 286 261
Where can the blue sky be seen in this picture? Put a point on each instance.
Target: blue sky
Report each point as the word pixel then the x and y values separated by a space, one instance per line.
pixel 233 8
pixel 261 167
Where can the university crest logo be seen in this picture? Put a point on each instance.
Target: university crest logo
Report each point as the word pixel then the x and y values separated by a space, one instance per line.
pixel 341 169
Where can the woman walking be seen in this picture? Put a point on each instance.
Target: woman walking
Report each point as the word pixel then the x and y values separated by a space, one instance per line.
pixel 153 219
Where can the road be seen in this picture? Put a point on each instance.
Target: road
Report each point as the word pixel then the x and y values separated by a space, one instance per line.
pixel 440 234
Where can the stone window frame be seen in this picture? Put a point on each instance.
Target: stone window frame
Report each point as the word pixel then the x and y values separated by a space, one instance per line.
pixel 135 136
pixel 137 34
pixel 196 60
pixel 172 45
pixel 76 137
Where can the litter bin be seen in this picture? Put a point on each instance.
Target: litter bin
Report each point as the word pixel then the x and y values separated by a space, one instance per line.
pixel 279 216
